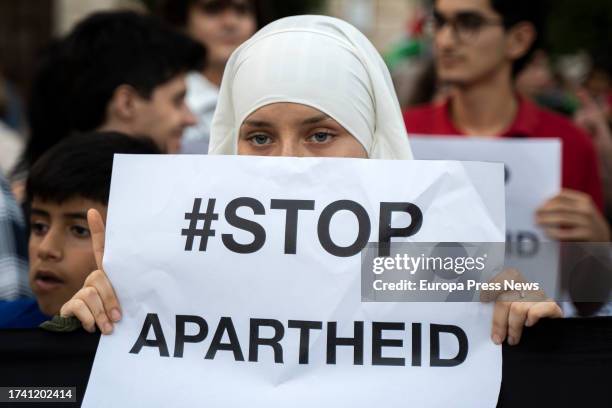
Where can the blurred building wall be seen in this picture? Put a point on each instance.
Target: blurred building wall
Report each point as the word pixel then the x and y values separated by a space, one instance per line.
pixel 383 21
pixel 69 12
pixel 25 28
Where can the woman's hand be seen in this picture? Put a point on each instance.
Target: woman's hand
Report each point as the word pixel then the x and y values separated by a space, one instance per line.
pixel 517 309
pixel 96 303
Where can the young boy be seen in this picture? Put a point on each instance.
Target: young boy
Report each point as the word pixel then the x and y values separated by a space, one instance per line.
pixel 63 184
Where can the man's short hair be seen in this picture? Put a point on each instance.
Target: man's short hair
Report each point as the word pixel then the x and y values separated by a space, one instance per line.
pixel 514 12
pixel 109 49
pixel 176 12
pixel 81 166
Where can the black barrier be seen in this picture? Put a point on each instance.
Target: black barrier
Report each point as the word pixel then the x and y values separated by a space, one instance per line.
pixel 559 363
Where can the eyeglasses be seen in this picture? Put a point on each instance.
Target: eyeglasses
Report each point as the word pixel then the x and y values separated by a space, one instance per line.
pixel 465 25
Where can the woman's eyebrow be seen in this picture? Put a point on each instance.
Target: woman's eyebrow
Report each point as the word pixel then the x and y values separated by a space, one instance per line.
pixel 257 123
pixel 309 121
pixel 315 119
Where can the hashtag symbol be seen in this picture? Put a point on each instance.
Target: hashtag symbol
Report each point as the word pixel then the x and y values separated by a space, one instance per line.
pixel 206 231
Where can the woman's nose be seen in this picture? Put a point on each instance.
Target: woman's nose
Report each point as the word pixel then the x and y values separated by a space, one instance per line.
pixel 290 149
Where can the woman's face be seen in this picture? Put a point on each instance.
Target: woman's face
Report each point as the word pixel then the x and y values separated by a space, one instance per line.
pixel 294 130
pixel 221 26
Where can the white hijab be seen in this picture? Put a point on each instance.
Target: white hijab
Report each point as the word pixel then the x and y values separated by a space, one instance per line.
pixel 321 62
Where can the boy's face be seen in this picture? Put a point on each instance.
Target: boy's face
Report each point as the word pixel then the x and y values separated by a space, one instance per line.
pixel 165 115
pixel 476 46
pixel 60 250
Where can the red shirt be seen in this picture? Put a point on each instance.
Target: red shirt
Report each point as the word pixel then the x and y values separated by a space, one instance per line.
pixel 580 168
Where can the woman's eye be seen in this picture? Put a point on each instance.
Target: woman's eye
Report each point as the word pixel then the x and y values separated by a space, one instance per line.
pixel 80 232
pixel 260 139
pixel 39 228
pixel 321 137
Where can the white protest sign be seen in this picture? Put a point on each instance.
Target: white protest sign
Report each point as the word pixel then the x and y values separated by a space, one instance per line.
pixel 239 279
pixel 532 176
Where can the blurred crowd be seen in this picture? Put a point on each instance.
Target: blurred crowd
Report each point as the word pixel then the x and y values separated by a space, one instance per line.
pixel 155 77
pixel 576 86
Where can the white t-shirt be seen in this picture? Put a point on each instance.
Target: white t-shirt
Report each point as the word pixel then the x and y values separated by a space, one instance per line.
pixel 201 99
pixel 11 146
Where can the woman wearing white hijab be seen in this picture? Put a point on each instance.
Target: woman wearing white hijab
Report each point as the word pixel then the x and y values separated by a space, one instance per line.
pixel 315 61
pixel 302 86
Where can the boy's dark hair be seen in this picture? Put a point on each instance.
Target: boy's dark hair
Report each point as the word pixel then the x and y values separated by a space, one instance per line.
pixel 81 166
pixel 176 12
pixel 76 76
pixel 110 49
pixel 514 12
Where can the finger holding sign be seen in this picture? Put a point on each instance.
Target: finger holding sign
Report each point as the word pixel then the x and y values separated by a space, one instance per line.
pixel 76 307
pixel 98 279
pixel 500 322
pixel 541 310
pixel 526 314
pixel 98 234
pixel 517 316
pixel 516 309
pixel 96 303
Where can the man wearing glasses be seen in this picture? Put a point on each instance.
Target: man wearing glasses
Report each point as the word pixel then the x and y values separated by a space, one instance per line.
pixel 480 46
